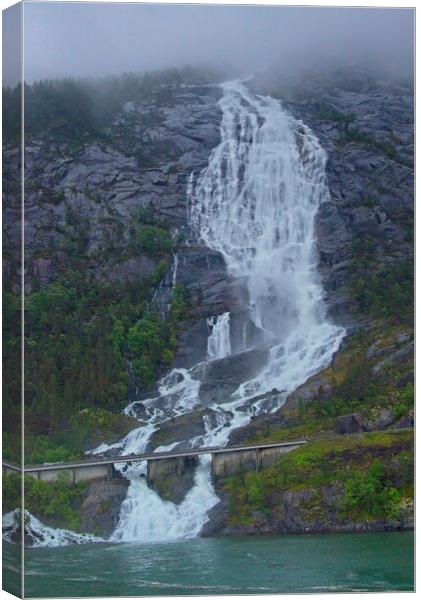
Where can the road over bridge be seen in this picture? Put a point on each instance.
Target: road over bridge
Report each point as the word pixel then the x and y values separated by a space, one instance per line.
pixel 225 461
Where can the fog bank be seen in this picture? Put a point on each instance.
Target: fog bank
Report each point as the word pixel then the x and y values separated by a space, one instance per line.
pixel 78 39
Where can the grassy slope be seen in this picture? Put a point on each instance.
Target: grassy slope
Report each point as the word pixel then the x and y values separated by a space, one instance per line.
pixel 358 478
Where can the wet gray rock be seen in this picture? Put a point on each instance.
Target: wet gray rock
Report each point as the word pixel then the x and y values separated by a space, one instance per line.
pixel 394 358
pixel 212 291
pixel 261 426
pixel 172 478
pixel 178 429
pixel 150 152
pixel 132 269
pixel 220 378
pixel 318 386
pixel 217 517
pixel 101 508
pixel 192 345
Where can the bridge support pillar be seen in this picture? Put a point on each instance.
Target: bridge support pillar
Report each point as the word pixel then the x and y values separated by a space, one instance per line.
pixel 171 478
pixel 158 470
pixel 226 463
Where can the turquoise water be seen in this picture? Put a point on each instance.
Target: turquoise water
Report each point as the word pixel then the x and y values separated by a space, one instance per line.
pixel 248 565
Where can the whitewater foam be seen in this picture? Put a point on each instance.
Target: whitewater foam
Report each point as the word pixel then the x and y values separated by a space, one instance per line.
pixel 219 341
pixel 41 535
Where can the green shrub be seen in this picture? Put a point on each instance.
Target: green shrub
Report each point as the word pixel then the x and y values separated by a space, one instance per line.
pixel 153 240
pixel 151 345
pixel 146 216
pixel 371 493
pixel 43 449
pixel 381 290
pixel 56 502
pixel 404 401
pixel 179 304
pixel 11 491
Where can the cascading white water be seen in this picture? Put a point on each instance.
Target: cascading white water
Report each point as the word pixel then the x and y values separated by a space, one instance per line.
pixel 146 517
pixel 255 203
pixel 40 534
pixel 174 270
pixel 219 341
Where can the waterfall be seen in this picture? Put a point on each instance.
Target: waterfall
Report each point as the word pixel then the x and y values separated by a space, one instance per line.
pixel 174 270
pixel 255 203
pixel 146 517
pixel 219 342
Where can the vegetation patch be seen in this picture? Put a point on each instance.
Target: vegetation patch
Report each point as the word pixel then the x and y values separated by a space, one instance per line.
pixel 375 470
pixel 151 235
pixel 372 493
pixel 328 112
pixel 381 290
pixel 364 139
pixel 55 503
pixel 78 111
pixel 88 342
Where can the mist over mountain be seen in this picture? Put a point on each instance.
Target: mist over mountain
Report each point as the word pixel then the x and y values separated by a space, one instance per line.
pixel 82 39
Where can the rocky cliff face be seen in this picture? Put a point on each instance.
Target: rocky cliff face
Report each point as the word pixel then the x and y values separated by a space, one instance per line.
pixel 146 161
pixel 364 125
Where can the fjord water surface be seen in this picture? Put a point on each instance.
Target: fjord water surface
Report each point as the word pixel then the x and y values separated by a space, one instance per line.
pixel 246 565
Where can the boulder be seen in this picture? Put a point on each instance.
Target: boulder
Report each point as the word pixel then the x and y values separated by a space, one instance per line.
pixel 406 421
pixel 383 420
pixel 352 423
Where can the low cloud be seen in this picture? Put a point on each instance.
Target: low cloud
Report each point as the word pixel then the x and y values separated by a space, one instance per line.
pixel 82 39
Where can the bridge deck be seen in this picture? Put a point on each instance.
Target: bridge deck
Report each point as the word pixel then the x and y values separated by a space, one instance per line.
pixel 146 456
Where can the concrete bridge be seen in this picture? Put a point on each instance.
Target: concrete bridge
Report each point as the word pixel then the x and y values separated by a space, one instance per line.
pixel 225 461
